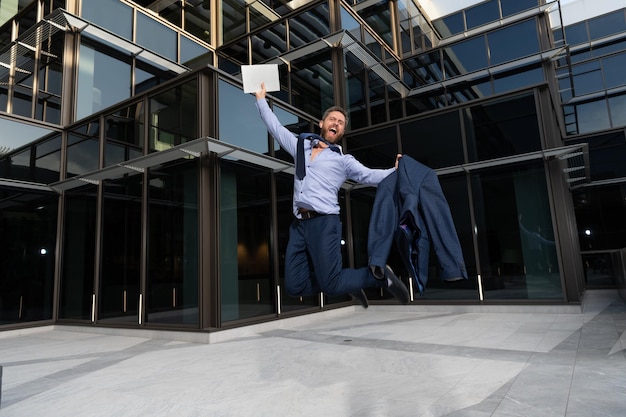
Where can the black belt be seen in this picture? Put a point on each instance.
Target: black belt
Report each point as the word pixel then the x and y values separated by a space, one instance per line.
pixel 308 214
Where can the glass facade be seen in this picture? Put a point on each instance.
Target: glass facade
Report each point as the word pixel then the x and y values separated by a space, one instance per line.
pixel 140 188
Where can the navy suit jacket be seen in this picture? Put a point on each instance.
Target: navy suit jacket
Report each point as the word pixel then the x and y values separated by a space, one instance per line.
pixel 411 209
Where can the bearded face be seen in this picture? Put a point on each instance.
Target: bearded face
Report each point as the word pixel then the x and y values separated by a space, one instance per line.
pixel 333 127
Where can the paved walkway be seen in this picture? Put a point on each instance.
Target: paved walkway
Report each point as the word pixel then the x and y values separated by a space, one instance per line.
pixel 390 361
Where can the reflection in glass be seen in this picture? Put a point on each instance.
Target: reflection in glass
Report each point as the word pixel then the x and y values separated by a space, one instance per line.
pixel 312 83
pixel 434 141
pixel 247 270
pixel 156 37
pixel 482 14
pixel 103 80
pixel 592 116
pixel 123 134
pixel 519 78
pixel 502 128
pixel 78 264
pixel 309 26
pixel 172 280
pixel 601 217
pixel 121 249
pixel 110 14
pixel 464 57
pixel 233 103
pixel 515 233
pixel 27 255
pixel 513 42
pixel 83 149
pixel 198 19
pixel 173 116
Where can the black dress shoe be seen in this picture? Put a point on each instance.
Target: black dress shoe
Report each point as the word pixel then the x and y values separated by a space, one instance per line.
pixel 397 287
pixel 360 297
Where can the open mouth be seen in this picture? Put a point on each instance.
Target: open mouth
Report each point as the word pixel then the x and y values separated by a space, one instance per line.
pixel 333 130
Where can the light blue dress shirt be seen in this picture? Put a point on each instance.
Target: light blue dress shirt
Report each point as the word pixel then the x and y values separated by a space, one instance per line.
pixel 319 189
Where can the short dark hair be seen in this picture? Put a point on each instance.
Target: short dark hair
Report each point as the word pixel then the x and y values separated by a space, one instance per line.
pixel 335 108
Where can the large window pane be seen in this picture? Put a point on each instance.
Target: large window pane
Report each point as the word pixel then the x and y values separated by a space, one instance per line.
pixel 435 141
pixel 617 104
pixel 511 7
pixel 515 233
pixel 247 271
pixel 172 281
pixel 592 116
pixel 198 19
pixel 601 217
pixel 79 246
pixel 613 69
pixel 309 26
pixel 587 78
pixel 606 25
pixel 174 116
pixel 110 14
pixel 464 57
pixel 513 42
pixel 156 37
pixel 503 128
pixel 121 250
pixel 251 135
pixel 481 14
pixel 83 149
pixel 103 80
pixel 27 255
pixel 123 133
pixel 312 83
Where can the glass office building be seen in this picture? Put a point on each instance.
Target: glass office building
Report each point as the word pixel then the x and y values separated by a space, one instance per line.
pixel 140 189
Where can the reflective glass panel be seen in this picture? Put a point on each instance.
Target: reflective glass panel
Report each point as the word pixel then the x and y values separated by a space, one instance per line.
pixel 613 69
pixel 48 160
pixel 607 154
pixel 312 83
pixel 110 14
pixel 587 78
pixel 450 25
pixel 83 149
pixel 520 78
pixel 27 255
pixel 601 217
pixel 123 133
pixel 198 19
pixel 607 24
pixel 172 265
pixel 374 148
pixel 576 33
pixel 464 57
pixel 511 7
pixel 515 233
pixel 173 116
pixel 156 37
pixel 102 81
pixel 503 128
pixel 481 14
pixel 194 55
pixel 434 141
pixel 251 135
pixel 233 19
pixel 513 42
pixel 269 43
pixel 121 250
pixel 592 116
pixel 247 270
pixel 378 17
pixel 617 105
pixel 309 26
pixel 79 250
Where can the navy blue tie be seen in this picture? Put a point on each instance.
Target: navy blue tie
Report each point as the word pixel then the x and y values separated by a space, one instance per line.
pixel 300 159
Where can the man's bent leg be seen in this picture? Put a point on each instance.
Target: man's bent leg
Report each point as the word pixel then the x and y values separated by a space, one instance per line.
pixel 323 238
